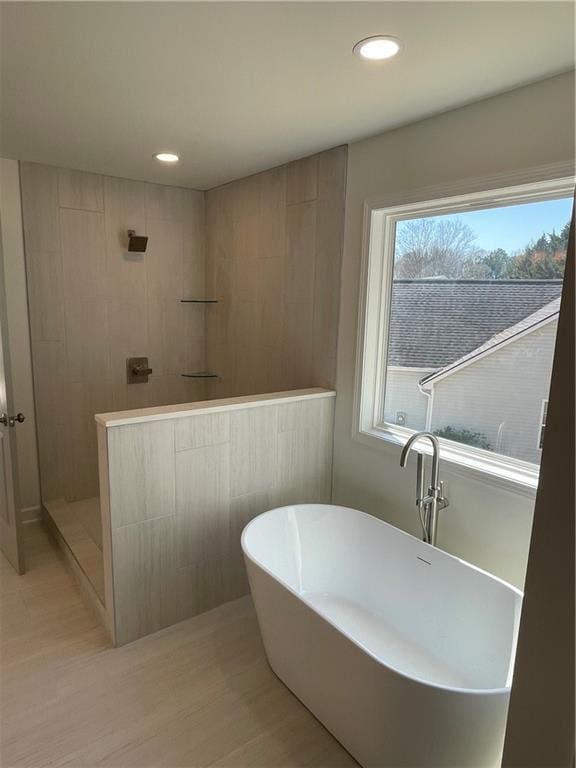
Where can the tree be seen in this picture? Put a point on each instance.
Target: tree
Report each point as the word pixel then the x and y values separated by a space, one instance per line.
pixel 544 259
pixel 494 265
pixel 434 248
pixel 442 247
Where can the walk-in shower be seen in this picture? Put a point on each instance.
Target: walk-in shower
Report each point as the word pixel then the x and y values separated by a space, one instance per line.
pixel 143 295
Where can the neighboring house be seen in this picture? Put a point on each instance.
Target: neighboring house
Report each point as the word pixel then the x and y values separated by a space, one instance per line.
pixel 473 355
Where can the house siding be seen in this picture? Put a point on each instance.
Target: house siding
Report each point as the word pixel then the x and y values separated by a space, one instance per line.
pixel 403 394
pixel 501 395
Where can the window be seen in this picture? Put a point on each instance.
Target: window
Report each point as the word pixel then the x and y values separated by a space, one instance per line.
pixel 543 415
pixel 462 302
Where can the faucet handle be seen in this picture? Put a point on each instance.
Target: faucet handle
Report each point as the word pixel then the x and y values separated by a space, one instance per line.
pixel 442 499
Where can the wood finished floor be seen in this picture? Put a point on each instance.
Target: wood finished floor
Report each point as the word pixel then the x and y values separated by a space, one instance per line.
pixel 196 694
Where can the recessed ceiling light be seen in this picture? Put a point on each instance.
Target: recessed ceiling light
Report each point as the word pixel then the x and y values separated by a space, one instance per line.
pixel 167 157
pixel 377 48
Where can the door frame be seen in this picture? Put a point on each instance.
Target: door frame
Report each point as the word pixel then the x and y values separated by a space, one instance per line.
pixel 11 530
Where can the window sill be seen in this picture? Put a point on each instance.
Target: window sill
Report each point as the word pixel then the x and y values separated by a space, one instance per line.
pixel 515 477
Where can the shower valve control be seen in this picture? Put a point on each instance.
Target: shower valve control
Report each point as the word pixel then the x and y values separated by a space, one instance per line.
pixel 137 370
pixel 10 421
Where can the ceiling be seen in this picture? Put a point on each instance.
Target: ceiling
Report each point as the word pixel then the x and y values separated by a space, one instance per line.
pixel 238 87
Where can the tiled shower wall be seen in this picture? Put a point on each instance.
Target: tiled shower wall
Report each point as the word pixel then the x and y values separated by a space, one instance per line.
pixel 273 263
pixel 92 305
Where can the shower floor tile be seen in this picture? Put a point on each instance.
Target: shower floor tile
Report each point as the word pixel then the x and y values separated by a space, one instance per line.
pixel 79 525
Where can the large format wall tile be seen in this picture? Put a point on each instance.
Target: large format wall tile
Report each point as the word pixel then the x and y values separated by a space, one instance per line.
pixel 304 454
pixel 273 213
pixel 299 264
pixel 175 336
pixel 53 457
pixel 253 435
pixel 39 185
pixel 50 397
pixel 87 344
pixel 201 431
pixel 164 203
pixel 202 504
pixel 329 237
pixel 83 253
pixel 50 379
pixel 302 180
pixel 124 209
pixel 98 305
pixel 45 295
pixel 142 484
pixel 77 189
pixel 201 587
pixel 144 566
pixel 243 509
pixel 127 328
pixel 274 245
pixel 165 259
pixel 83 400
pixel 296 344
pixel 174 560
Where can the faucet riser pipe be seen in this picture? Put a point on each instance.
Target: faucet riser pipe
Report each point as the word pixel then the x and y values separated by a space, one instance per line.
pixel 428 506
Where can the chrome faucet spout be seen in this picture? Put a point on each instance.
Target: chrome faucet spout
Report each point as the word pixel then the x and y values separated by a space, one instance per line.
pixel 429 505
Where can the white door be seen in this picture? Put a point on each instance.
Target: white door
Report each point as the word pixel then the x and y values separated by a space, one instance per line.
pixel 10 536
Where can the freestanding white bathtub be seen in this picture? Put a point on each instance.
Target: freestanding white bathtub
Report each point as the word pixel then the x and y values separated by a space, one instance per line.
pixel 402 651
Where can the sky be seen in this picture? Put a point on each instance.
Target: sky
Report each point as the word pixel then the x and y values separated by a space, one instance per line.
pixel 514 226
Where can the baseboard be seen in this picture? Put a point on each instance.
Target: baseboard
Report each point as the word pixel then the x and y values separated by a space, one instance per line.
pixel 31 514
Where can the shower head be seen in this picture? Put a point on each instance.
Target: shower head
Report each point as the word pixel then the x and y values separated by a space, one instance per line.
pixel 136 243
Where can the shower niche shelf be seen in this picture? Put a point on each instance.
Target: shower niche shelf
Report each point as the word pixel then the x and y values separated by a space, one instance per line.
pixel 198 301
pixel 200 375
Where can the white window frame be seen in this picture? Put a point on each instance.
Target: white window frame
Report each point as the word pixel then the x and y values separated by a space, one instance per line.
pixel 380 217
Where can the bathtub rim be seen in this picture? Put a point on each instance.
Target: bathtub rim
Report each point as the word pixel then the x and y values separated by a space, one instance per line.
pixel 503 690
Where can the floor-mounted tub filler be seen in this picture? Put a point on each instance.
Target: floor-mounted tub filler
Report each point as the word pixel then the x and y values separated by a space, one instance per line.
pixel 402 651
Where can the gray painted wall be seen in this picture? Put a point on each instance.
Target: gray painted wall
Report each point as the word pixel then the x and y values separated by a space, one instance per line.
pixel 485 524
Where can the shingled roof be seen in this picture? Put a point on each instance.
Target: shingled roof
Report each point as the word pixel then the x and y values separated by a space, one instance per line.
pixel 436 321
